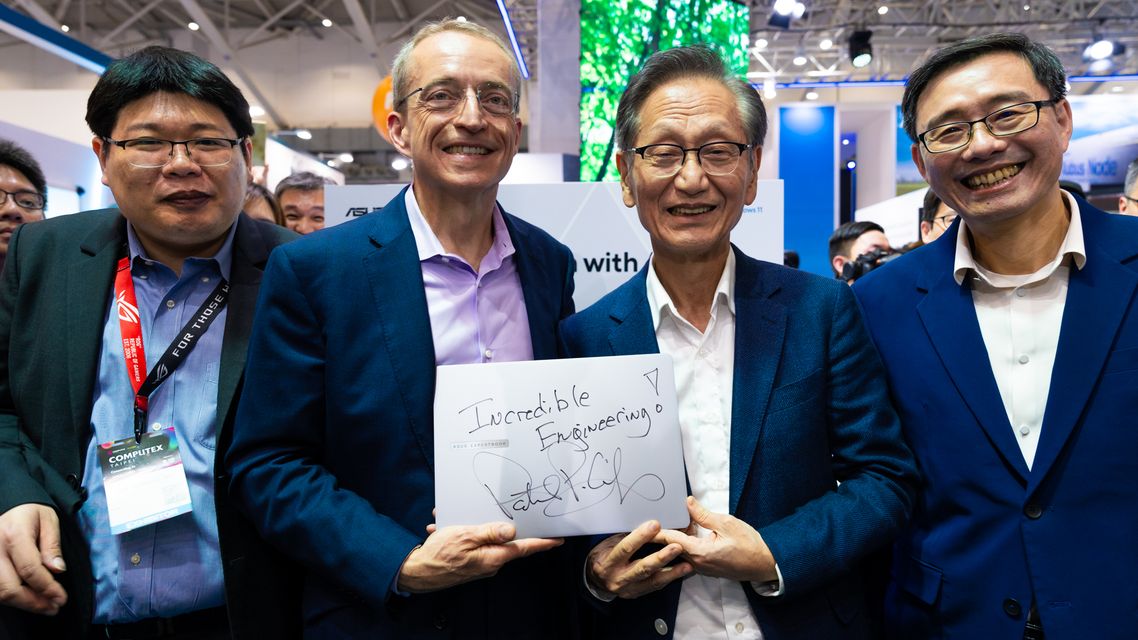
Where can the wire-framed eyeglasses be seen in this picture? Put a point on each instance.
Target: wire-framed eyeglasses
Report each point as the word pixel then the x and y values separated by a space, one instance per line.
pixel 26 200
pixel 1007 121
pixel 717 158
pixel 151 153
pixel 494 98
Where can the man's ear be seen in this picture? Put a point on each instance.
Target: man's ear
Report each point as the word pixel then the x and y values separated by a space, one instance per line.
pixel 100 147
pixel 837 263
pixel 397 131
pixel 626 187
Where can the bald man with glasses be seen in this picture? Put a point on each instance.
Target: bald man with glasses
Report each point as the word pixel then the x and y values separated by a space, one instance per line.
pixel 334 459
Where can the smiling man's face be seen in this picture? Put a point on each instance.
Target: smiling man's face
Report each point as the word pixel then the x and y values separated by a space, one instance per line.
pixel 465 151
pixel 993 178
pixel 181 208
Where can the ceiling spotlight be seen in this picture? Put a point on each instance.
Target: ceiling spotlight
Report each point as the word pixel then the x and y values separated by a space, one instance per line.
pixel 825 44
pixel 761 44
pixel 851 165
pixel 811 95
pixel 861 52
pixel 332 162
pixel 799 10
pixel 400 163
pixel 1027 7
pixel 256 111
pixel 769 89
pixel 1116 89
pixel 1100 50
pixel 304 134
pixel 193 26
pixel 784 7
pixel 799 61
pixel 845 142
pixel 882 10
pixel 64 28
pixel 326 22
pixel 346 157
pixel 460 19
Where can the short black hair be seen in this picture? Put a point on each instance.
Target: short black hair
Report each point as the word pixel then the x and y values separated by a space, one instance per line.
pixel 1044 63
pixel 17 157
pixel 695 61
pixel 845 235
pixel 930 206
pixel 162 69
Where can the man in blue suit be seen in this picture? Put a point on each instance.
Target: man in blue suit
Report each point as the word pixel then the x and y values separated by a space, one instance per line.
pixel 793 454
pixel 334 460
pixel 1012 351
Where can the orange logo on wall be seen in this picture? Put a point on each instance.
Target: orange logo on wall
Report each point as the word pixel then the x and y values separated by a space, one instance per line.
pixel 382 104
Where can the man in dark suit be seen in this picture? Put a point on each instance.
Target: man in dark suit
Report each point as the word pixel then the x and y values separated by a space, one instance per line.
pixel 172 136
pixel 793 454
pixel 333 452
pixel 1012 351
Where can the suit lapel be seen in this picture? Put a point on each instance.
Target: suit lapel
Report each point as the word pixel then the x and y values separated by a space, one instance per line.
pixel 949 318
pixel 250 252
pixel 1098 297
pixel 533 273
pixel 632 333
pixel 760 328
pixel 89 281
pixel 392 270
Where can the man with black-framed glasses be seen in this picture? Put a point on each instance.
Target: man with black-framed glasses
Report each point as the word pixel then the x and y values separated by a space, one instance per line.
pixel 1128 201
pixel 23 192
pixel 1012 350
pixel 935 217
pixel 122 342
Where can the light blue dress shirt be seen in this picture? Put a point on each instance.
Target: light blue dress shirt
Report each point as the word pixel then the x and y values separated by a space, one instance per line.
pixel 174 566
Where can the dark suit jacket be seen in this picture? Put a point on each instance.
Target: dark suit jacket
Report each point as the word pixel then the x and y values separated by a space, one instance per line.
pixel 333 452
pixel 53 303
pixel 809 410
pixel 987 534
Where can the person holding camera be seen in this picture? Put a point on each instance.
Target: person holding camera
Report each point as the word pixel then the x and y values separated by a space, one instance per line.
pixel 856 248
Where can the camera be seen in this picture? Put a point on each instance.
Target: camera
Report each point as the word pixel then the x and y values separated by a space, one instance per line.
pixel 869 261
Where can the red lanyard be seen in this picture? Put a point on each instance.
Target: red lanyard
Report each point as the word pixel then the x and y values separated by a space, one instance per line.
pixel 130 326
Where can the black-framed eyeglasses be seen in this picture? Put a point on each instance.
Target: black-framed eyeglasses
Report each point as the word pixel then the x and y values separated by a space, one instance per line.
pixel 151 153
pixel 1007 121
pixel 1134 200
pixel 717 158
pixel 945 220
pixel 494 98
pixel 26 200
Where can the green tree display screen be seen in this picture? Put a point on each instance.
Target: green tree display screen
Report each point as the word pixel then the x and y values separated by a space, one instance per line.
pixel 617 35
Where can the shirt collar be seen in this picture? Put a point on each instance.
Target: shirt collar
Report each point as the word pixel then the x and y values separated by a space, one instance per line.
pixel 659 301
pixel 223 258
pixel 428 243
pixel 1072 245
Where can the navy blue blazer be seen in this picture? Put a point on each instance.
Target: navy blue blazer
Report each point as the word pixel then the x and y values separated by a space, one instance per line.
pixel 987 535
pixel 332 455
pixel 809 410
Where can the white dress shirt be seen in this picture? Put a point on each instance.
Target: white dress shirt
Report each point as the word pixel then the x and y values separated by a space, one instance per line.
pixel 709 608
pixel 1020 317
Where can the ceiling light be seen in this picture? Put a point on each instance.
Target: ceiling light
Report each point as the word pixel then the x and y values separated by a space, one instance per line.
pixel 332 162
pixel 346 157
pixel 845 142
pixel 882 10
pixel 1027 7
pixel 1116 89
pixel 64 28
pixel 851 165
pixel 811 95
pixel 256 111
pixel 761 44
pixel 460 19
pixel 799 60
pixel 799 10
pixel 769 89
pixel 326 22
pixel 861 52
pixel 784 7
pixel 825 44
pixel 1100 50
pixel 193 26
pixel 304 134
pixel 400 163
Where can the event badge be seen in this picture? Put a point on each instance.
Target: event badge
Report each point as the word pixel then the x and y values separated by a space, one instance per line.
pixel 145 481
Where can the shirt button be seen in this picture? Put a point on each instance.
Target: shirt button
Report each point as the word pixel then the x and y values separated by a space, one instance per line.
pixel 1024 430
pixel 135 559
pixel 738 627
pixel 446 260
pixel 661 627
pixel 1020 293
pixel 205 278
pixel 157 426
pixel 1024 359
pixel 489 353
pixel 142 276
pixel 170 304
